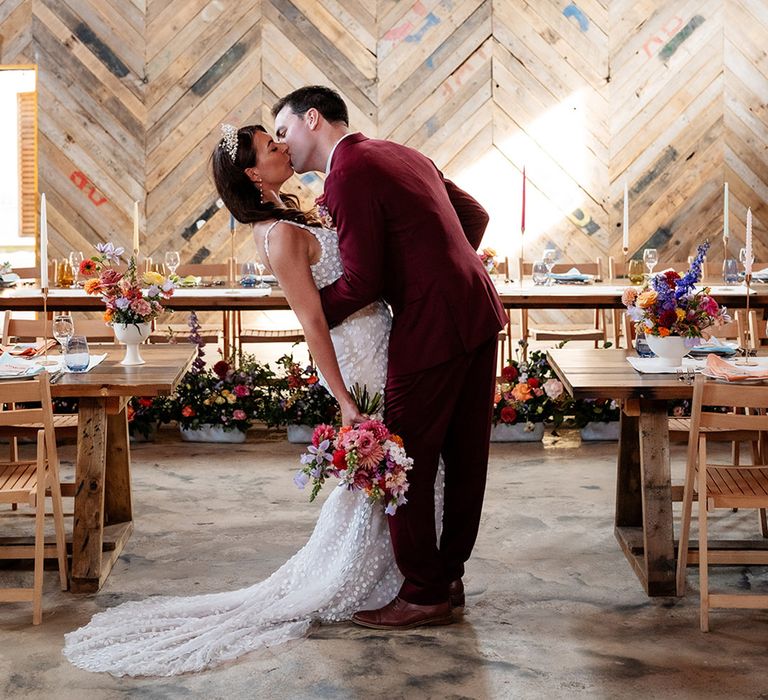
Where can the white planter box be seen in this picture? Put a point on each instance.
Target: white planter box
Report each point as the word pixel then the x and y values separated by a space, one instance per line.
pixel 211 433
pixel 504 432
pixel 300 434
pixel 598 430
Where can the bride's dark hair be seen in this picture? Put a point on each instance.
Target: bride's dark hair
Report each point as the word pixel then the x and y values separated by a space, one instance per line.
pixel 239 193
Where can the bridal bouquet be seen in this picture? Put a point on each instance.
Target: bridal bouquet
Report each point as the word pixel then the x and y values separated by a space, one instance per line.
pixel 669 305
pixel 366 458
pixel 129 298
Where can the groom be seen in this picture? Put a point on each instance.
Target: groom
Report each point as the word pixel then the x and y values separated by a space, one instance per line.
pixel 409 236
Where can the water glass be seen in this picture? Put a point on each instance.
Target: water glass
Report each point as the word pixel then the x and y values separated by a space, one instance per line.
pixel 248 278
pixel 63 329
pixel 650 258
pixel 730 271
pixel 172 260
pixel 549 258
pixel 76 356
pixel 635 272
pixel 261 284
pixel 540 272
pixel 75 258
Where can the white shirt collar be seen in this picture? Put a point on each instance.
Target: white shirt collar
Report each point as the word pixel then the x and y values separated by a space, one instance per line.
pixel 333 150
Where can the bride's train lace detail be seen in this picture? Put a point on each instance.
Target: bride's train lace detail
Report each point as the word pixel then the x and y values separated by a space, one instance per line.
pixel 347 564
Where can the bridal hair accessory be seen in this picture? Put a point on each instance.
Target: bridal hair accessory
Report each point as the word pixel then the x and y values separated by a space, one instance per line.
pixel 229 140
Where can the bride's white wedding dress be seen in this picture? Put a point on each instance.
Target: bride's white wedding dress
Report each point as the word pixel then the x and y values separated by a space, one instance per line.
pixel 347 564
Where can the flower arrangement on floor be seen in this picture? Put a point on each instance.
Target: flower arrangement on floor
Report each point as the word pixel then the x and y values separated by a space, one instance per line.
pixel 300 398
pixel 130 300
pixel 229 395
pixel 595 411
pixel 669 305
pixel 488 258
pixel 529 392
pixel 145 414
pixel 366 458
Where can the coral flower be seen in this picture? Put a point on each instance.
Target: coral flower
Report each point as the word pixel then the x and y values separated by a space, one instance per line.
pixel 87 268
pixel 187 411
pixel 522 392
pixel 647 298
pixel 92 286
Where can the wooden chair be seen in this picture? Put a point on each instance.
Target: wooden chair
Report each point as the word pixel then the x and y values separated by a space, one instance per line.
pixel 757 333
pixel 596 332
pixel 722 486
pixel 28 482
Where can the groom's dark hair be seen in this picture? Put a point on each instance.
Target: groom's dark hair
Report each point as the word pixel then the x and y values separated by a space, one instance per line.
pixel 325 100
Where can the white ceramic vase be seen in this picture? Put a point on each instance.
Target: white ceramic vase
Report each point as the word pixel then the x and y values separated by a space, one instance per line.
pixel 671 349
pixel 208 432
pixel 131 335
pixel 300 434
pixel 517 432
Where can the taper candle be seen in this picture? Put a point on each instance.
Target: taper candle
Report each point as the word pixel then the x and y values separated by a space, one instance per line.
pixel 43 243
pixel 136 230
pixel 625 231
pixel 748 245
pixel 726 227
pixel 231 223
pixel 522 219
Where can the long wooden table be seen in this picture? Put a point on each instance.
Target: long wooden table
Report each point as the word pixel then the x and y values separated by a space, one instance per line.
pixel 513 295
pixel 103 514
pixel 643 523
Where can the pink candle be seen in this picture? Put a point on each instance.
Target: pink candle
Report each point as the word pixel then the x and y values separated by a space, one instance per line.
pixel 522 220
pixel 748 245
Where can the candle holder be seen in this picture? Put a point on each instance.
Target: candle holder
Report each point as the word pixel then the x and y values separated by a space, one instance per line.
pixel 46 361
pixel 747 359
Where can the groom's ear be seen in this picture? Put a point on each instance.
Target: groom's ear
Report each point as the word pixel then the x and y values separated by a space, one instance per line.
pixel 312 118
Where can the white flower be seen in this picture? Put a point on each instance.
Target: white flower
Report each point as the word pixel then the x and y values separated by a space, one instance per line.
pixel 553 388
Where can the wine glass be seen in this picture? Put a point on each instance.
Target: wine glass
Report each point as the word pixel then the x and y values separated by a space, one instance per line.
pixel 651 259
pixel 63 329
pixel 730 271
pixel 75 258
pixel 539 273
pixel 172 260
pixel 549 258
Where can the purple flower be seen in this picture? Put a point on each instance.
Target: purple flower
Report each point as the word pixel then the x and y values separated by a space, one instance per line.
pixel 300 479
pixel 109 252
pixel 122 303
pixel 390 509
pixel 153 291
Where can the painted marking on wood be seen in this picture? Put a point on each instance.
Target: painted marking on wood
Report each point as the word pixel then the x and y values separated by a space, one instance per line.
pixel 193 228
pixel 102 51
pixel 412 31
pixel 669 156
pixel 573 11
pixel 200 255
pixel 584 221
pixel 83 184
pixel 218 70
pixel 473 63
pixel 680 37
pixel 670 29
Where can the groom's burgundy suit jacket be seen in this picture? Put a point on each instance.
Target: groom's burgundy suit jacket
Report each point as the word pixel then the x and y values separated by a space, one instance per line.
pixel 408 235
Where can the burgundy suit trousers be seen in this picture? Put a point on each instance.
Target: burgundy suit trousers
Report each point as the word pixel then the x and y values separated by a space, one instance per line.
pixel 444 410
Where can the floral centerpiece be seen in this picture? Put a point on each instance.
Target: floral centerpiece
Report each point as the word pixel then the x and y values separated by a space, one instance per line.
pixel 488 258
pixel 144 415
pixel 130 299
pixel 530 393
pixel 670 307
pixel 366 458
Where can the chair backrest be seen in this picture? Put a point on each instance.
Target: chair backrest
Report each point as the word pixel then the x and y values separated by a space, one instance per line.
pixel 16 330
pixel 525 268
pixel 758 329
pixel 708 392
pixel 26 391
pixel 204 270
pixel 617 269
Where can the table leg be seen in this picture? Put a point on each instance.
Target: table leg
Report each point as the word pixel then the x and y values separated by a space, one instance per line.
pixel 658 534
pixel 88 526
pixel 117 488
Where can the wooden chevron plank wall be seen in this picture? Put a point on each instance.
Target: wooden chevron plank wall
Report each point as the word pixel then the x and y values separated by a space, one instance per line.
pixel 667 96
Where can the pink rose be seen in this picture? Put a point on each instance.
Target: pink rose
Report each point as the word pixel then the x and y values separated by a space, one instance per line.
pixel 242 390
pixel 141 307
pixel 239 414
pixel 553 388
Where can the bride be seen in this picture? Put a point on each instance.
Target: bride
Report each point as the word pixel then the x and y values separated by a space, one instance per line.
pixel 347 564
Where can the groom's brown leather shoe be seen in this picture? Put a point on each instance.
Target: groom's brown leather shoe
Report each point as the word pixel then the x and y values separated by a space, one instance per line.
pixel 402 615
pixel 456 593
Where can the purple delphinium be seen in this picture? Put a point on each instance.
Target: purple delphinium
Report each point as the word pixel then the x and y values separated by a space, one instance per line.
pixel 688 281
pixel 196 339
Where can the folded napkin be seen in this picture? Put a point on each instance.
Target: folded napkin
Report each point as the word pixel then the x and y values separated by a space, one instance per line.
pixel 761 274
pixel 573 275
pixel 8 279
pixel 18 367
pixel 718 368
pixel 715 345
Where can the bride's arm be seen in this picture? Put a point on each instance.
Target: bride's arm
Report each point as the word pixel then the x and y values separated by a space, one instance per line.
pixel 289 259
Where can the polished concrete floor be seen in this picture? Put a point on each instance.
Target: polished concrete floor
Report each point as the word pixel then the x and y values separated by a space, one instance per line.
pixel 553 609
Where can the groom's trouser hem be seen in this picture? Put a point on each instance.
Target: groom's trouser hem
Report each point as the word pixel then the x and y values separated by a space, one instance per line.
pixel 444 409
